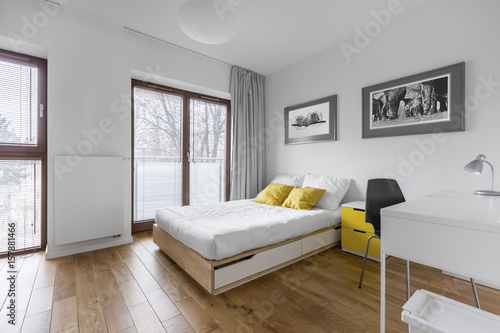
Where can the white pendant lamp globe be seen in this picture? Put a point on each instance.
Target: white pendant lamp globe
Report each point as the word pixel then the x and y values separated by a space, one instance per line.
pixel 206 21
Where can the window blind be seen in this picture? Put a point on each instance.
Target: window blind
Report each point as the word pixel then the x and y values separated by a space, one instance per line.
pixel 18 104
pixel 20 204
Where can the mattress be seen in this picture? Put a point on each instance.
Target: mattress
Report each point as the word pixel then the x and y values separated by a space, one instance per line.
pixel 220 230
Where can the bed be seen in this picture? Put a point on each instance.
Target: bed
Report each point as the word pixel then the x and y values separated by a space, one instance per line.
pixel 223 245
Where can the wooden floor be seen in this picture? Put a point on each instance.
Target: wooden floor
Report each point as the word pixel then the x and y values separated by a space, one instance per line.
pixel 137 288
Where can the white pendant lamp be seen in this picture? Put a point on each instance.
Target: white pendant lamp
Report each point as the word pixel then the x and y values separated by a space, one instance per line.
pixel 207 21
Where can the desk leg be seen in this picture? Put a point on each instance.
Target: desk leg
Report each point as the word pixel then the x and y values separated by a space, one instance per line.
pixel 475 292
pixel 407 280
pixel 382 292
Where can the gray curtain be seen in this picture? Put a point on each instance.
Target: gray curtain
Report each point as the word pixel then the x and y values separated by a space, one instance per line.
pixel 248 151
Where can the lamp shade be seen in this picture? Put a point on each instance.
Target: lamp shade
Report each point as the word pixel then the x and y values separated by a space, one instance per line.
pixel 475 167
pixel 206 22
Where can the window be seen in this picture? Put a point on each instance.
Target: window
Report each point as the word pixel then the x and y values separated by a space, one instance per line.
pixel 23 146
pixel 180 150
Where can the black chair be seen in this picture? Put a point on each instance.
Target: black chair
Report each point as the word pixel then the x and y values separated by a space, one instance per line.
pixel 380 193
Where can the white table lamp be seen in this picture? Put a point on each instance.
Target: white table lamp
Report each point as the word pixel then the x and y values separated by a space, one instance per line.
pixel 476 167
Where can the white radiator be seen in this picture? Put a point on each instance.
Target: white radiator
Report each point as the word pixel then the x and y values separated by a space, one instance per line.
pixel 89 199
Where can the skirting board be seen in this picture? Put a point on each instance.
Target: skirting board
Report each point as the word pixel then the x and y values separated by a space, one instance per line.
pixel 80 249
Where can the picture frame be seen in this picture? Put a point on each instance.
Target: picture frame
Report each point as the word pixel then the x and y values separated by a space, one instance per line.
pixel 313 121
pixel 427 102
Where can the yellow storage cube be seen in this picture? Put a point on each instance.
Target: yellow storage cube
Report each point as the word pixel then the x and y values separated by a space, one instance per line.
pixel 355 231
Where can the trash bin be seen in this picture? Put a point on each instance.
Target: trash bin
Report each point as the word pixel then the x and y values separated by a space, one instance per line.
pixel 432 313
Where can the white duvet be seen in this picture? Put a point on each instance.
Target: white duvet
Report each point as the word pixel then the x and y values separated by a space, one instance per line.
pixel 220 230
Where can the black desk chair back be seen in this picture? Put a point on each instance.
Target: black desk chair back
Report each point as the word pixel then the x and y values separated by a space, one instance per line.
pixel 380 193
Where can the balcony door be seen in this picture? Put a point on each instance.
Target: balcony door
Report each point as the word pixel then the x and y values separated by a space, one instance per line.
pixel 180 150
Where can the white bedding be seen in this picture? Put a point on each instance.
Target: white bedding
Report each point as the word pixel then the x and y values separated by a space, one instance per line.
pixel 220 230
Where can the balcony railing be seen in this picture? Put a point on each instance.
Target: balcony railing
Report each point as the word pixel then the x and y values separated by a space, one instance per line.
pixel 158 183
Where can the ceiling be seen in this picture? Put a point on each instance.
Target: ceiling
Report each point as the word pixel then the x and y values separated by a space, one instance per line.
pixel 271 34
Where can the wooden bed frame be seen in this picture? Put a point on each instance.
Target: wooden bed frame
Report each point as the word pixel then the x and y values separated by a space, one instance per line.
pixel 217 276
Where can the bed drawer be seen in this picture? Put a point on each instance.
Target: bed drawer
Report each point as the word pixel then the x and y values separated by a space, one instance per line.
pixel 259 262
pixel 317 241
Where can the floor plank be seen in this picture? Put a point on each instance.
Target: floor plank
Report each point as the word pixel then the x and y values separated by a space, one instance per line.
pixel 226 320
pixel 46 273
pixel 64 283
pixel 178 324
pixel 38 323
pixel 142 275
pixel 197 317
pixel 126 251
pixel 116 314
pixel 145 319
pixel 132 293
pixel 91 319
pixel 86 288
pixel 162 305
pixel 41 301
pixel 129 330
pixel 168 283
pixel 113 305
pixel 64 315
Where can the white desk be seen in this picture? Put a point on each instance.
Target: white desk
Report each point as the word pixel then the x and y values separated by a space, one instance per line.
pixel 453 231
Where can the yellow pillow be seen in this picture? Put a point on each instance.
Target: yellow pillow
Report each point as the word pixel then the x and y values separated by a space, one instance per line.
pixel 303 198
pixel 274 194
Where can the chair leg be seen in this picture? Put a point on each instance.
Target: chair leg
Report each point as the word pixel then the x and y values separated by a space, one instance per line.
pixel 364 260
pixel 473 283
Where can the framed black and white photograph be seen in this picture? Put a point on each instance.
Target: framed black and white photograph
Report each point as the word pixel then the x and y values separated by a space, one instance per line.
pixel 428 102
pixel 312 121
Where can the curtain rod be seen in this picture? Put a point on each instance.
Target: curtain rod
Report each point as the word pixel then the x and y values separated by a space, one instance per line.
pixel 175 45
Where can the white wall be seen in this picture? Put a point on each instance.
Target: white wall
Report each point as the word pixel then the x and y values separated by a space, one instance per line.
pixel 438 34
pixel 90 66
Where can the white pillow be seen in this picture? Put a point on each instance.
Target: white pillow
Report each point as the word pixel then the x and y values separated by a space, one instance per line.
pixel 296 180
pixel 336 189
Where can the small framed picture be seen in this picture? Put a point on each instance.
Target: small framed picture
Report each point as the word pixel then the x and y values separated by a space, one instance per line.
pixel 313 121
pixel 428 102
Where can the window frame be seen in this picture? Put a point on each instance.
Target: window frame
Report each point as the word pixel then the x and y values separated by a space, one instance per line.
pixel 27 152
pixel 147 225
